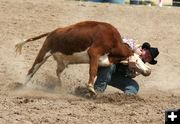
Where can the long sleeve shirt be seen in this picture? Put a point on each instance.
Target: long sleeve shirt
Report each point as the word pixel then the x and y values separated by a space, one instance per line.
pixel 140 66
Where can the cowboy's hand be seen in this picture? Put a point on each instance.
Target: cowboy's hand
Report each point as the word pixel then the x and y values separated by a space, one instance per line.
pixel 132 62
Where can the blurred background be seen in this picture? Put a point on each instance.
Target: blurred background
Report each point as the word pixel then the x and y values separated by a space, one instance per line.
pixel 142 2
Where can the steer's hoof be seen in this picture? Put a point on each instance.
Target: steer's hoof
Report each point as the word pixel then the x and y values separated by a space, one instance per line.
pixel 91 89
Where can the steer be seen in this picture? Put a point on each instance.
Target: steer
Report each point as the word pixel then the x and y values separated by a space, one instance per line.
pixel 96 43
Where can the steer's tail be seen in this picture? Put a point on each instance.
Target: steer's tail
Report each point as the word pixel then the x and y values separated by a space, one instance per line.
pixel 19 46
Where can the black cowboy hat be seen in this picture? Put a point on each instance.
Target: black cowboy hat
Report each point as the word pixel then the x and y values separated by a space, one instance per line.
pixel 154 52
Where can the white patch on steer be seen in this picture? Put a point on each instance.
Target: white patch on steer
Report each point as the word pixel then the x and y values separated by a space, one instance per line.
pixel 75 58
pixel 104 61
pixel 80 57
pixel 95 79
pixel 47 54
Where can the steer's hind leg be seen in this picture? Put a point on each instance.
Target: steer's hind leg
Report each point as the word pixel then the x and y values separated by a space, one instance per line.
pixel 60 67
pixel 40 59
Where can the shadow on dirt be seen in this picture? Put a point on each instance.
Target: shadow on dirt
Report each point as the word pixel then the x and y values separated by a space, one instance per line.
pixel 116 97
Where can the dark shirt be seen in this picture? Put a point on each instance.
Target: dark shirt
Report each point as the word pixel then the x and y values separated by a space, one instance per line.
pixel 124 71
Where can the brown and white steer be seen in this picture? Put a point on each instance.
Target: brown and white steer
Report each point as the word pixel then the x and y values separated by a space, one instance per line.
pixel 96 43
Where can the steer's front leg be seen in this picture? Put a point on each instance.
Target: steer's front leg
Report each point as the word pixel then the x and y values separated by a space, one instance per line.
pixel 92 71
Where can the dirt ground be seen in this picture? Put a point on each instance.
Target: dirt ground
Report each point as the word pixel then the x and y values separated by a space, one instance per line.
pixel 43 101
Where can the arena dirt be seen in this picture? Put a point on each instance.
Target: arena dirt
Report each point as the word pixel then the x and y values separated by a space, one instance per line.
pixel 45 101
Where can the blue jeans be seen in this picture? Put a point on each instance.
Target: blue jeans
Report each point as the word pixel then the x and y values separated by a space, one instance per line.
pixel 109 76
pixel 110 1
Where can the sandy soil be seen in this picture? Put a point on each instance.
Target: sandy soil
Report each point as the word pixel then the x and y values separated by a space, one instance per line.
pixel 43 101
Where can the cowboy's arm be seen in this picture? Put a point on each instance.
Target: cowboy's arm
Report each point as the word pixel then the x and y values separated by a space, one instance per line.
pixel 141 67
pixel 138 66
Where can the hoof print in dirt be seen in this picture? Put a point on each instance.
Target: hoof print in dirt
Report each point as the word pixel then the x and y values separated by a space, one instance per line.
pixel 22 100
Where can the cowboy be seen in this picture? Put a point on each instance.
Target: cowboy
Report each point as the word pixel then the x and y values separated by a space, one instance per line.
pixel 121 75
